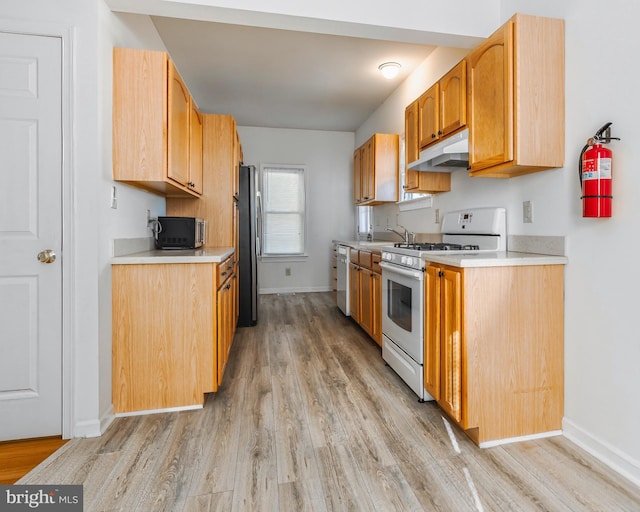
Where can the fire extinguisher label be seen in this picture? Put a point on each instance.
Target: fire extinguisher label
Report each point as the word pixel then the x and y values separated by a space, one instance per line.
pixel 605 168
pixel 601 171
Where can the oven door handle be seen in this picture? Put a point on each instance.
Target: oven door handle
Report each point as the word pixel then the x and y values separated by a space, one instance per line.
pixel 415 274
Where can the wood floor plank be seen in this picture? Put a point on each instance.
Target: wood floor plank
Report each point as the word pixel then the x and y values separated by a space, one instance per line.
pixel 302 496
pixel 295 455
pixel 309 417
pixel 218 502
pixel 256 478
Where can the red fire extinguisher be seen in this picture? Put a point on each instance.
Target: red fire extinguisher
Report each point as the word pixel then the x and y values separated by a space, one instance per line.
pixel 595 174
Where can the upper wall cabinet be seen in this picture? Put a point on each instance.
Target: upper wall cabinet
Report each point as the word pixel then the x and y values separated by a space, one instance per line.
pixel 157 135
pixel 442 109
pixel 516 99
pixel 415 181
pixel 375 170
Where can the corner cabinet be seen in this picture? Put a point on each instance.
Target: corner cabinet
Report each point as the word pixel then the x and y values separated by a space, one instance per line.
pixel 375 170
pixel 155 138
pixel 516 99
pixel 494 348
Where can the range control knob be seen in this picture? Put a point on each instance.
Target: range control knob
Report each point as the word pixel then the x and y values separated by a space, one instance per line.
pixel 409 261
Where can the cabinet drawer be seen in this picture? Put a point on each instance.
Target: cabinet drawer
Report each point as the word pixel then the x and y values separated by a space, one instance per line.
pixel 225 269
pixel 365 259
pixel 375 263
pixel 354 256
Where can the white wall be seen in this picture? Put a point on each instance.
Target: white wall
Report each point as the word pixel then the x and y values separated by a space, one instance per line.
pixel 129 219
pixel 602 347
pixel 330 211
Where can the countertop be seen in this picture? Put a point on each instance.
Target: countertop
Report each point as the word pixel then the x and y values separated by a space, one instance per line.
pixel 496 259
pixel 204 255
pixel 364 245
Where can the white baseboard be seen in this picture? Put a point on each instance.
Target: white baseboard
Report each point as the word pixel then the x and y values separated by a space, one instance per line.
pixel 88 428
pixel 157 411
pixel 270 291
pixel 107 419
pixel 530 437
pixel 603 451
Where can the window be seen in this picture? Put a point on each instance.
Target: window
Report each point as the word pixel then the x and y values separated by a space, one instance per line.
pixel 283 193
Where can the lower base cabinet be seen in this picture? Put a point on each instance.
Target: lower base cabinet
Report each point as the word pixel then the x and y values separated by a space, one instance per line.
pixel 365 287
pixel 494 348
pixel 172 330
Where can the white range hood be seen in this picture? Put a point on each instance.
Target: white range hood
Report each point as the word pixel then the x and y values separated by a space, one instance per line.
pixel 448 155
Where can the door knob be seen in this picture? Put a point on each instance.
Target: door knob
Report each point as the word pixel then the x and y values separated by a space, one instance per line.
pixel 47 256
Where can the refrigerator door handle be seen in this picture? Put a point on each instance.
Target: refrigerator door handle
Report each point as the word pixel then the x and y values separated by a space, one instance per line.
pixel 258 223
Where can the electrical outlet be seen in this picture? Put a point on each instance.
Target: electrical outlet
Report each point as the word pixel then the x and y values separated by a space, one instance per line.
pixel 527 212
pixel 287 271
pixel 148 217
pixel 437 213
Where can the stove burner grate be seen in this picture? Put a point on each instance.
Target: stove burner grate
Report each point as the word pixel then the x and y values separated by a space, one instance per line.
pixel 437 246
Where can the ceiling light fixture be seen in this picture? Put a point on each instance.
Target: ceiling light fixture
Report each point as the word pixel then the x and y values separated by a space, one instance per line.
pixel 389 70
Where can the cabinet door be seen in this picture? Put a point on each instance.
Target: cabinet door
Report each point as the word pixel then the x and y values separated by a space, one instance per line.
pixel 453 99
pixel 357 176
pixel 411 147
pixel 224 317
pixel 354 285
pixel 368 171
pixel 366 300
pixel 376 307
pixel 451 355
pixel 179 105
pixel 195 149
pixel 432 332
pixel 428 116
pixel 490 85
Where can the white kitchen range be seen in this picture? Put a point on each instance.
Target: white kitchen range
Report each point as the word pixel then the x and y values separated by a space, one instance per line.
pixel 477 230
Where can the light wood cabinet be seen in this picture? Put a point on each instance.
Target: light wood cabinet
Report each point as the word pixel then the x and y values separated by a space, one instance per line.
pixel 494 348
pixel 221 159
pixel 375 170
pixel 416 181
pixel 195 149
pixel 227 315
pixel 429 116
pixel 354 291
pixel 516 99
pixel 365 288
pixel 152 125
pixel 442 109
pixel 453 100
pixel 172 331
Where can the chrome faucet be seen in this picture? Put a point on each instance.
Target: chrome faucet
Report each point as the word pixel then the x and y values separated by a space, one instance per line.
pixel 405 235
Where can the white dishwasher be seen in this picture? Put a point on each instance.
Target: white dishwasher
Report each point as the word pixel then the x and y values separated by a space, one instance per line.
pixel 342 297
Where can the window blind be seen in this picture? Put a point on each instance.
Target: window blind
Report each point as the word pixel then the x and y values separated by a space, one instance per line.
pixel 283 193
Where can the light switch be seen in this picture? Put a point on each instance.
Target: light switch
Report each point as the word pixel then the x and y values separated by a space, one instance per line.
pixel 527 212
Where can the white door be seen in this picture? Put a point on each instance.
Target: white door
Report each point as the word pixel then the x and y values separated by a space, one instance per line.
pixel 30 223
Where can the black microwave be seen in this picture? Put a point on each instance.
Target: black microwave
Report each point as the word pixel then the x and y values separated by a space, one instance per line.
pixel 180 233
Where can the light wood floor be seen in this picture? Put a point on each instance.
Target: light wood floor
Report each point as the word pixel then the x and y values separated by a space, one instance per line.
pixel 310 418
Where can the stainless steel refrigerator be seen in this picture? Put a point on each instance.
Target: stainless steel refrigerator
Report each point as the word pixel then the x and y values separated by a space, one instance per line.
pixel 249 219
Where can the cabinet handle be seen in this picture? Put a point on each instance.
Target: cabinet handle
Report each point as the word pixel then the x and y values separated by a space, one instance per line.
pixel 228 286
pixel 433 135
pixel 223 273
pixel 439 132
pixel 440 273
